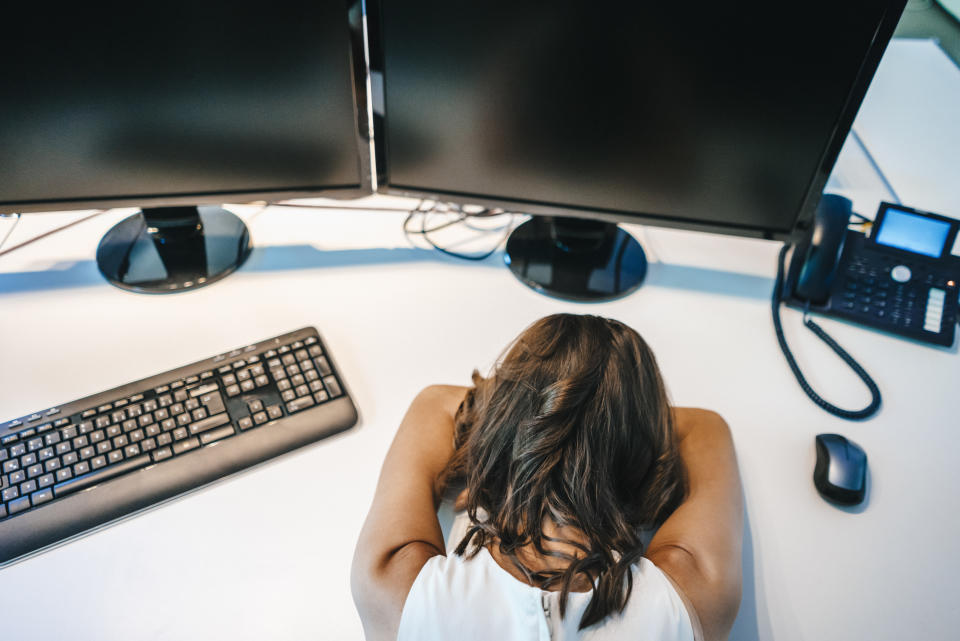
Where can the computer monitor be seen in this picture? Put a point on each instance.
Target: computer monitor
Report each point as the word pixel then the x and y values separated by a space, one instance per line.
pixel 720 117
pixel 176 104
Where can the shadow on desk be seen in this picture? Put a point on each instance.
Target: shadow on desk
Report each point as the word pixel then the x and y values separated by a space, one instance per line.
pixel 713 281
pixel 303 257
pixel 262 259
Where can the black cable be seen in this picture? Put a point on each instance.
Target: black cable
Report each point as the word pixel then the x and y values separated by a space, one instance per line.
pixel 852 415
pixel 462 217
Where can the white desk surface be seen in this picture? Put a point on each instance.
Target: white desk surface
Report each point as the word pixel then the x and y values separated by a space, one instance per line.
pixel 266 554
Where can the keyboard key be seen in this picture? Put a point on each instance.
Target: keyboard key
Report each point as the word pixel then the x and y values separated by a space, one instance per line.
pixel 233 390
pixel 115 456
pixel 247 386
pixel 69 458
pixel 323 366
pixel 80 468
pixel 33 471
pixel 27 487
pixel 186 445
pixel 98 462
pixel 274 412
pixel 261 380
pixel 332 386
pixel 204 389
pixel 18 505
pixel 209 423
pixel 51 465
pixel 41 496
pixel 245 423
pixel 160 454
pixel 299 404
pixel 45 481
pixel 260 418
pixel 164 439
pixel 213 402
pixel 9 494
pixel 180 433
pixel 216 435
pixel 64 474
pixel 17 477
pixel 320 397
pixel 255 406
pixel 18 450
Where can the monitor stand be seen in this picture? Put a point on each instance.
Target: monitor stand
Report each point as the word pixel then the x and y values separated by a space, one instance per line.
pixel 163 250
pixel 576 259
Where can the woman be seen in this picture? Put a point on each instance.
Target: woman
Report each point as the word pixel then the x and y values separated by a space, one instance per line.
pixel 564 454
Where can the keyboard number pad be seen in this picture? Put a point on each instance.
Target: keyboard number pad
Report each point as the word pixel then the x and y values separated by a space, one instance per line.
pixel 303 375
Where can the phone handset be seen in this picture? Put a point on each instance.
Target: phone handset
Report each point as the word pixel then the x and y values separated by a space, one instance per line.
pixel 813 269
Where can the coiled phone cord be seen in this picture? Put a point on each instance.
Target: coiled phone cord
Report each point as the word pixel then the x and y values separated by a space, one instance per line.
pixel 852 415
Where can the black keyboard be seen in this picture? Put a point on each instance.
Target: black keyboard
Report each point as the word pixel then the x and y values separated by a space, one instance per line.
pixel 71 468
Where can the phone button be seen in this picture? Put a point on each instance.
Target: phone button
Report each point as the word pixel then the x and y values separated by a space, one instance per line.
pixel 900 273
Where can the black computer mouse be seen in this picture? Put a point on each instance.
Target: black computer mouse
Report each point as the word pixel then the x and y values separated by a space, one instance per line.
pixel 841 471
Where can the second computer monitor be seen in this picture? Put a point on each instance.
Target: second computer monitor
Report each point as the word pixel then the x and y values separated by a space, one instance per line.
pixel 706 116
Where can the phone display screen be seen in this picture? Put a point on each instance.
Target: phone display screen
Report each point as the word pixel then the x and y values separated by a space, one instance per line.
pixel 913 233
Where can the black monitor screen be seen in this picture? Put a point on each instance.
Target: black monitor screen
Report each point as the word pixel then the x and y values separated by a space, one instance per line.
pixel 704 112
pixel 121 100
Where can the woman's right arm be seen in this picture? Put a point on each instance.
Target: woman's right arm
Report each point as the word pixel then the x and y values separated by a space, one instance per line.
pixel 699 546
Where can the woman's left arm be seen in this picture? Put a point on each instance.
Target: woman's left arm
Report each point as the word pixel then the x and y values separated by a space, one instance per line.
pixel 402 531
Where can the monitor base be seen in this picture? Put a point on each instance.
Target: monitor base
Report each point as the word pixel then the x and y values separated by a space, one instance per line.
pixel 164 250
pixel 576 259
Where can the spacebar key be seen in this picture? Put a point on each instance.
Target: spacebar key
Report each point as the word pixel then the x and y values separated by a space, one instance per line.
pixel 101 475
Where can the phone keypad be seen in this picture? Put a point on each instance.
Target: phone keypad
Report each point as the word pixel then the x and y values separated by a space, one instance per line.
pixel 888 292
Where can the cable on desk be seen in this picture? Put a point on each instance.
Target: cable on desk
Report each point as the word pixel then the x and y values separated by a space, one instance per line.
pixel 462 217
pixel 851 415
pixel 49 233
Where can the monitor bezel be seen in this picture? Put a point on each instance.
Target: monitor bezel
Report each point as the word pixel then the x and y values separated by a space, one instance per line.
pixel 364 187
pixel 803 218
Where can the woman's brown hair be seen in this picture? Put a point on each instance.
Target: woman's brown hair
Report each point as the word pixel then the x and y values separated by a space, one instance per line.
pixel 574 426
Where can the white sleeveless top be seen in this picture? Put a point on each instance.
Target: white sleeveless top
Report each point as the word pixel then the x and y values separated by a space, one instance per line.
pixel 460 599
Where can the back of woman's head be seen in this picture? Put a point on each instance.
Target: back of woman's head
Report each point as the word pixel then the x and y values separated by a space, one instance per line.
pixel 574 427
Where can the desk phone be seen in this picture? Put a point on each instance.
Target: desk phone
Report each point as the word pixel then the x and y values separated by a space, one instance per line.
pixel 902 277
